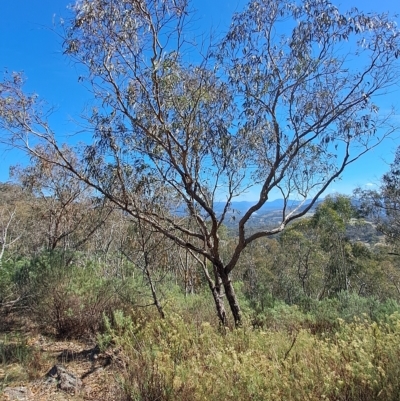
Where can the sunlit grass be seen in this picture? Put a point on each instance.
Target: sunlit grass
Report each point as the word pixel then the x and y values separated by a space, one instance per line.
pixel 175 360
pixel 19 360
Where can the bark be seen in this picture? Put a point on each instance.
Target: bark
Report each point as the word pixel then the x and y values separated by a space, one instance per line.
pixel 232 298
pixel 219 304
pixel 218 298
pixel 215 288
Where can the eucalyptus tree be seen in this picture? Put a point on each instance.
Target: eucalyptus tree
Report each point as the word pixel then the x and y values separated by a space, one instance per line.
pixel 383 205
pixel 64 210
pixel 278 105
pixel 330 221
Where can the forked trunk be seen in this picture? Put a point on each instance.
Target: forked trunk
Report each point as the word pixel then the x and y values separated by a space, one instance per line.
pixel 219 304
pixel 232 299
pixel 216 291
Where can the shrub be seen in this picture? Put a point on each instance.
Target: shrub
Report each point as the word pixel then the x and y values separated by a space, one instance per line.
pixel 9 293
pixel 70 299
pixel 346 306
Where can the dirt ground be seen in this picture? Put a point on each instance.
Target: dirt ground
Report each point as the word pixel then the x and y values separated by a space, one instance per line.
pixel 27 359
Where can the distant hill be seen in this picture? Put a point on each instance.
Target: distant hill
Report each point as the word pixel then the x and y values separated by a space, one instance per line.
pixel 268 216
pixel 276 204
pixel 239 208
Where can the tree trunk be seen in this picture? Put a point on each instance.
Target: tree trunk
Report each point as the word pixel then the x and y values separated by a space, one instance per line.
pixel 154 295
pixel 152 288
pixel 215 288
pixel 232 299
pixel 219 304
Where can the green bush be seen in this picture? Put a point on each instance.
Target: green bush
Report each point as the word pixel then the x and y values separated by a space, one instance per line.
pixel 8 290
pixel 346 306
pixel 280 317
pixel 70 299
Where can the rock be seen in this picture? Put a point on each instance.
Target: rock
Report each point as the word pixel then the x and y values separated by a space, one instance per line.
pixel 18 393
pixel 67 381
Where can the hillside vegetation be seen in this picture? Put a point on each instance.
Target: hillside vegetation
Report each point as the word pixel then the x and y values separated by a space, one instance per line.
pixel 322 319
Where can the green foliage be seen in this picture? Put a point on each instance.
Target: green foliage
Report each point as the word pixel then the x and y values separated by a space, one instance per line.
pixel 334 213
pixel 7 289
pixel 68 298
pixel 280 317
pixel 12 294
pixel 346 306
pixel 314 259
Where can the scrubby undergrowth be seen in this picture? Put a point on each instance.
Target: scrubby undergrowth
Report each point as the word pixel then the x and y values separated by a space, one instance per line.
pixel 174 359
pixel 344 348
pixel 293 356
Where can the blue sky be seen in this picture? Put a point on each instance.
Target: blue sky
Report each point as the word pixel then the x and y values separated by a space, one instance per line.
pixel 29 43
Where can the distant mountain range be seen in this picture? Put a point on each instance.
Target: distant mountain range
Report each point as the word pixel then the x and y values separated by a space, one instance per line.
pixel 275 205
pixel 270 215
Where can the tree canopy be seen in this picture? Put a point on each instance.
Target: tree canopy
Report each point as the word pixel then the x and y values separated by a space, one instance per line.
pixel 383 204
